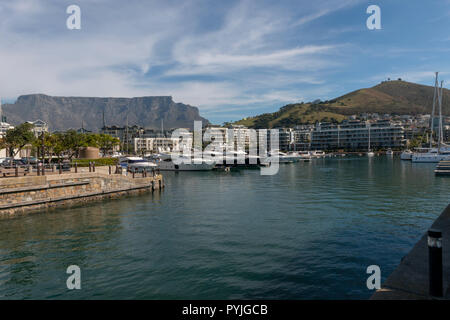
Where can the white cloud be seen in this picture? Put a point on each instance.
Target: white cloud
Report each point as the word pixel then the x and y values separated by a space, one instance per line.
pixel 120 47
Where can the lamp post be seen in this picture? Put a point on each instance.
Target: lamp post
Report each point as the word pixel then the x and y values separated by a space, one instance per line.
pixel 435 262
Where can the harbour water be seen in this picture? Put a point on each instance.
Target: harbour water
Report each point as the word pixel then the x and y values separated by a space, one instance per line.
pixel 308 232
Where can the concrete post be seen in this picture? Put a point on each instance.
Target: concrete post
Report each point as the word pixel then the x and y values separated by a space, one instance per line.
pixel 76 167
pixel 435 262
pixel 17 171
pixel 60 166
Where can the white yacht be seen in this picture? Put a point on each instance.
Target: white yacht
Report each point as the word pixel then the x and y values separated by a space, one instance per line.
pixel 317 154
pixel 283 157
pixel 300 155
pixel 389 152
pixel 434 155
pixel 442 152
pixel 136 163
pixel 165 163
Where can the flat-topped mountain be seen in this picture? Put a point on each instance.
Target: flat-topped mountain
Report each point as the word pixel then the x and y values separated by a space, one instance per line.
pixel 62 113
pixel 393 97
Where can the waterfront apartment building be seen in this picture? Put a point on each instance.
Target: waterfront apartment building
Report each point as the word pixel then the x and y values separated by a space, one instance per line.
pixel 154 145
pixel 302 139
pixel 157 141
pixel 125 134
pixel 217 132
pixel 39 127
pixel 4 126
pixel 354 135
pixel 286 138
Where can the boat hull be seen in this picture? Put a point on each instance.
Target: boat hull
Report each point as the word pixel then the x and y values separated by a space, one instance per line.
pixel 185 167
pixel 406 156
pixel 435 158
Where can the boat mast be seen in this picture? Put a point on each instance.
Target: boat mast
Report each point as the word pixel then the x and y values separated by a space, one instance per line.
pixel 127 136
pixel 436 84
pixel 368 150
pixel 441 133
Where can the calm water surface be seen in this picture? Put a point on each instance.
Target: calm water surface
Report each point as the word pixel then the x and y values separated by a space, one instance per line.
pixel 308 232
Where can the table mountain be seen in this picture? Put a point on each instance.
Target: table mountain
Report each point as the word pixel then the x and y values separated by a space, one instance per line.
pixel 62 113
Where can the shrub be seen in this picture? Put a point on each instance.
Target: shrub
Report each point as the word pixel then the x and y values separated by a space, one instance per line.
pixel 98 162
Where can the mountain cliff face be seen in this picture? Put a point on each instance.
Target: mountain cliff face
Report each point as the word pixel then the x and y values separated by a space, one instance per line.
pixel 62 113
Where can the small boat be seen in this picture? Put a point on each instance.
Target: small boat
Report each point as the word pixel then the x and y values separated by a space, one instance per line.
pixel 300 155
pixel 282 157
pixel 370 154
pixel 317 154
pixel 389 152
pixel 406 155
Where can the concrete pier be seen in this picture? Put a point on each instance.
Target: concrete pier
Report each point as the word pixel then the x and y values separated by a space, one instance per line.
pixel 410 281
pixel 31 193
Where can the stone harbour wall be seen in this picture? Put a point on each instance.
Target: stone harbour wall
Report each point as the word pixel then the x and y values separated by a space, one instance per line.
pixel 24 194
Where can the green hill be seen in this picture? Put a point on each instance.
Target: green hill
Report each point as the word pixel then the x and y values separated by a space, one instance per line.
pixel 394 97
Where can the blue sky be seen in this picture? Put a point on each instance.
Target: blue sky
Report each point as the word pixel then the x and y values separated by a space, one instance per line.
pixel 230 58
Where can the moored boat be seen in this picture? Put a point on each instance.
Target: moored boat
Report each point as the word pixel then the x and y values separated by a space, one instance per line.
pixel 406 155
pixel 136 164
pixel 192 165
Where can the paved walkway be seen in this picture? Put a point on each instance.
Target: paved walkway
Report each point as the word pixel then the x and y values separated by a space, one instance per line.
pixel 410 279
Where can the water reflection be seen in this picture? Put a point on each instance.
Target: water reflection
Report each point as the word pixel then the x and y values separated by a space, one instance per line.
pixel 308 232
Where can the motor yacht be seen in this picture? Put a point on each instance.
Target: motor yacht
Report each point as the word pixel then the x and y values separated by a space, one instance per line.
pixel 136 163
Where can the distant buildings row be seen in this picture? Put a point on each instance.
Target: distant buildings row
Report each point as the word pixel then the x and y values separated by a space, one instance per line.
pixel 384 131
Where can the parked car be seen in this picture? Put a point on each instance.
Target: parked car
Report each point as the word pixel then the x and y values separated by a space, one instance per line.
pixel 9 162
pixel 30 160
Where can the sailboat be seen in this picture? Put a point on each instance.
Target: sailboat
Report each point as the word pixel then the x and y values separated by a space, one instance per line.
pixel 442 152
pixel 369 152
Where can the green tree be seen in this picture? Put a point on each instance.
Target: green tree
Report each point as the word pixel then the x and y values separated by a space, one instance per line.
pixel 106 143
pixel 70 143
pixel 16 139
pixel 48 142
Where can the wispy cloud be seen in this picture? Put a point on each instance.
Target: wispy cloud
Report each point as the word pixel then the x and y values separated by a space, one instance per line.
pixel 221 56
